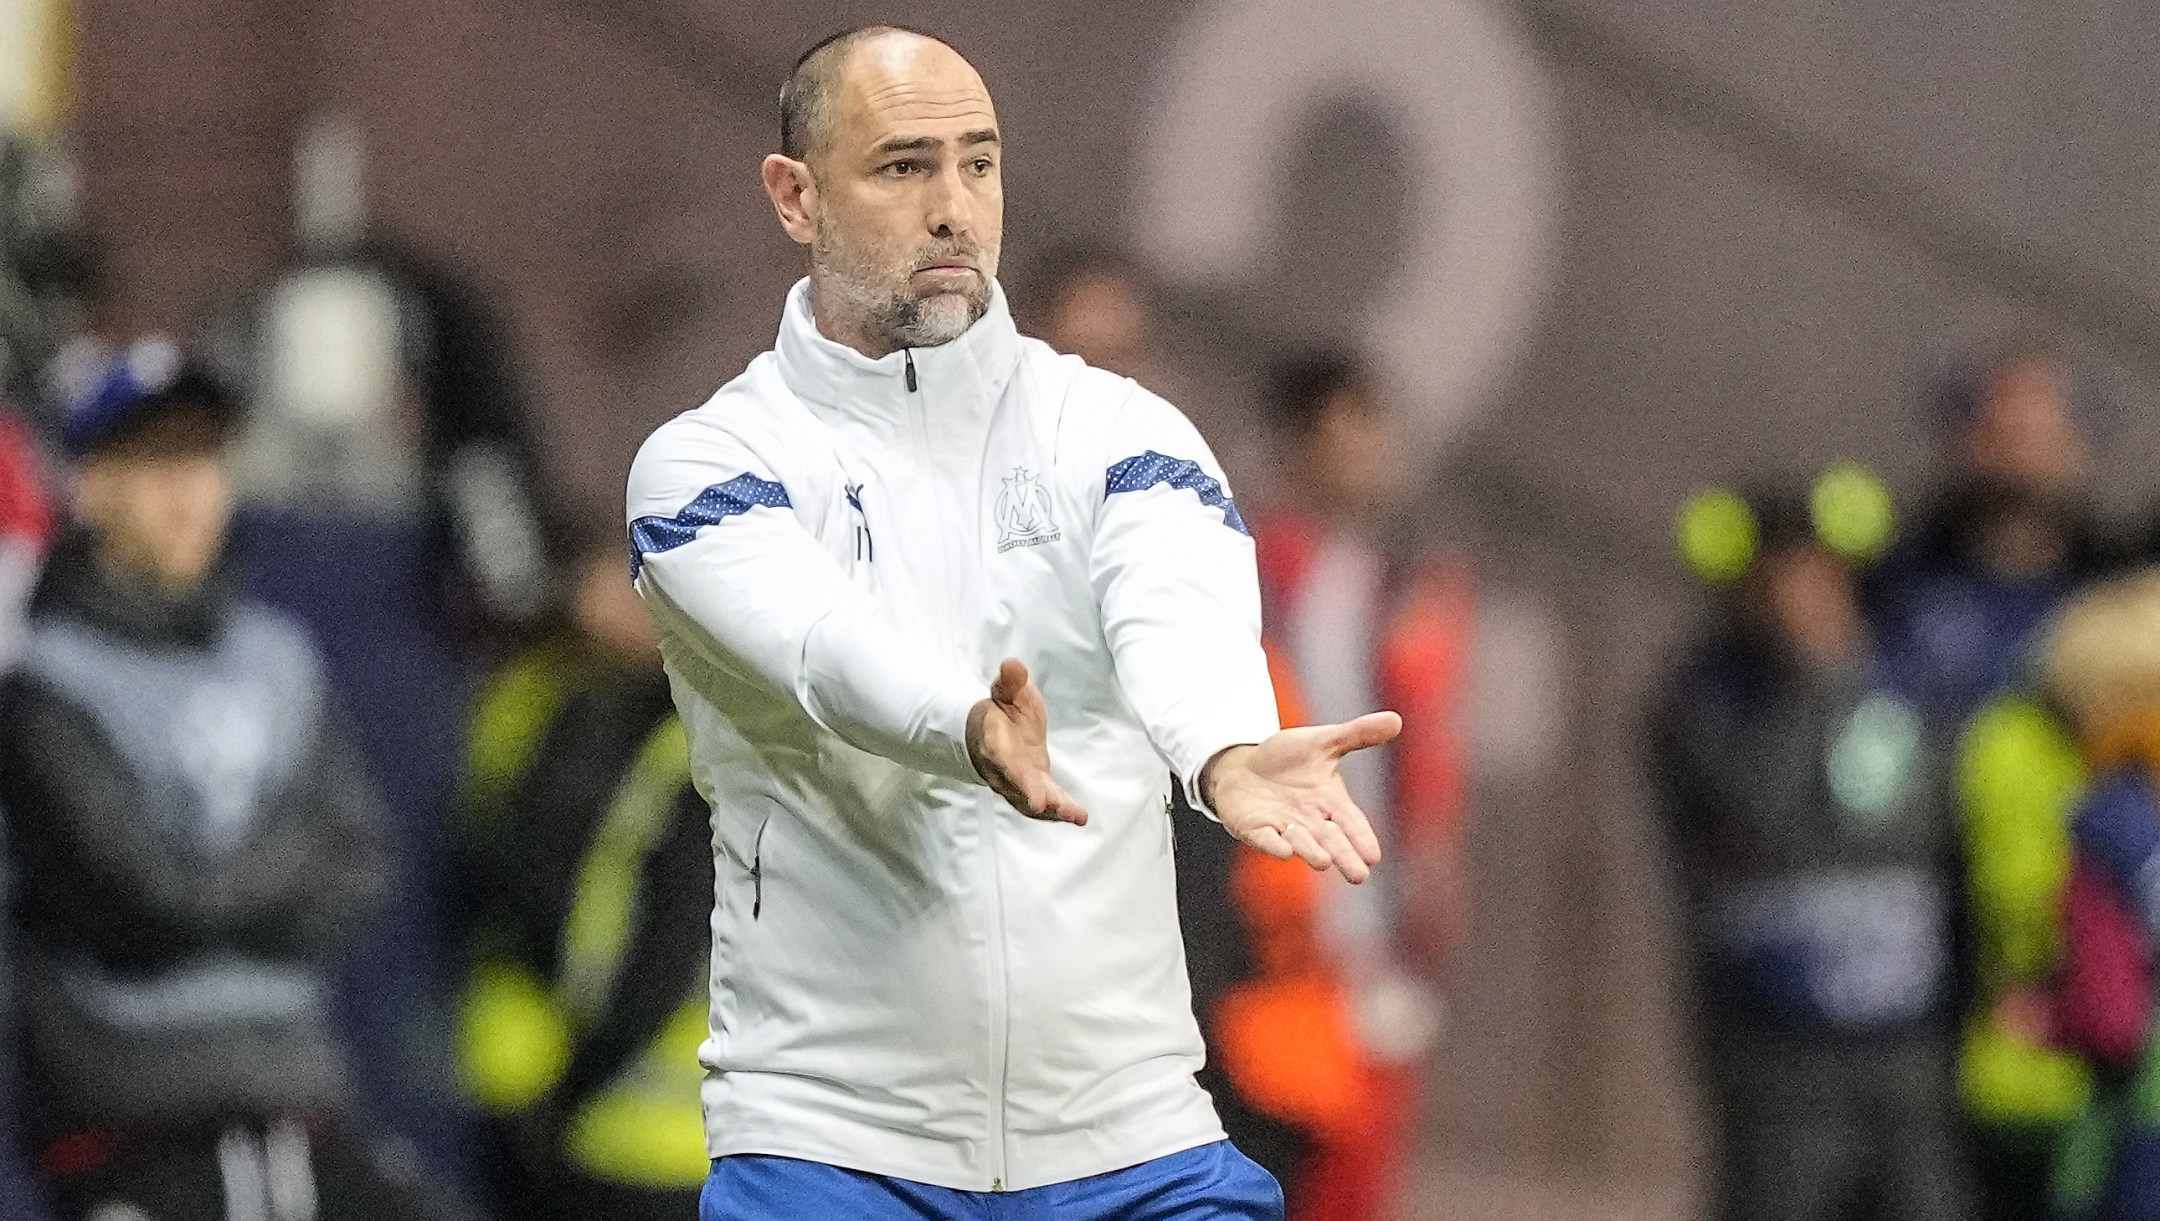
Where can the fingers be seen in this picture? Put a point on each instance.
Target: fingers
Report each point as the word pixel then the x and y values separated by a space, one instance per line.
pixel 1058 806
pixel 1012 756
pixel 1034 794
pixel 1011 680
pixel 1323 846
pixel 1307 848
pixel 1357 831
pixel 1372 729
pixel 1269 840
pixel 1338 839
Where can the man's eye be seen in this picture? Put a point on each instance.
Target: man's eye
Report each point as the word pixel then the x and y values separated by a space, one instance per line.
pixel 902 168
pixel 982 165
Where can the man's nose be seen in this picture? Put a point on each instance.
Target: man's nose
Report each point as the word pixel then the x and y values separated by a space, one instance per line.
pixel 951 210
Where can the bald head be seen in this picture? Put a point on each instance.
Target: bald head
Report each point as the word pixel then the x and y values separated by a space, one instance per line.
pixel 811 93
pixel 890 175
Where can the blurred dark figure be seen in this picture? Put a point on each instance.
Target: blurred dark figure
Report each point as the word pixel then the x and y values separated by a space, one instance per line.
pixel 1954 609
pixel 2101 667
pixel 1817 862
pixel 588 879
pixel 194 847
pixel 23 1195
pixel 26 525
pixel 390 503
pixel 380 384
pixel 1328 1026
pixel 44 265
pixel 2009 538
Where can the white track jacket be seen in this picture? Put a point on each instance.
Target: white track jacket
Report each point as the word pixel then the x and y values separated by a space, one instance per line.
pixel 908 977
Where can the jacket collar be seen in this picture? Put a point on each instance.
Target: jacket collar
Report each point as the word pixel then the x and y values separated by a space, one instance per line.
pixel 76 586
pixel 960 380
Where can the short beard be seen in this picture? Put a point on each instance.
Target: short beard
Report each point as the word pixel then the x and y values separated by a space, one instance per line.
pixel 852 285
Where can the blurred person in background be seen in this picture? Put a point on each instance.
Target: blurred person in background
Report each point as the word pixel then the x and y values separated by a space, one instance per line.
pixel 1330 1031
pixel 2019 774
pixel 2008 539
pixel 1954 609
pixel 588 881
pixel 381 385
pixel 2101 666
pixel 26 527
pixel 1818 869
pixel 1098 305
pixel 43 260
pixel 390 501
pixel 194 846
pixel 1101 305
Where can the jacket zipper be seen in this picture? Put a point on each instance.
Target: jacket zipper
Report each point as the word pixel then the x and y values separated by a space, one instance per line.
pixel 1000 984
pixel 1000 1000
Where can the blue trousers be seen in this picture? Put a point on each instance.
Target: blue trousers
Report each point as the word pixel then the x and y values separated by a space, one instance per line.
pixel 1211 1183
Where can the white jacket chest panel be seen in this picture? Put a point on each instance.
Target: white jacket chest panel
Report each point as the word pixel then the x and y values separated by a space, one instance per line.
pixel 977 538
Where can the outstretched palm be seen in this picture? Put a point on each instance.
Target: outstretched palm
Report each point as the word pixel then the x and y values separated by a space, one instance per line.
pixel 1285 796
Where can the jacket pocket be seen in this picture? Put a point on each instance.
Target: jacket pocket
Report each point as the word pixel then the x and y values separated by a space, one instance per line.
pixel 757 869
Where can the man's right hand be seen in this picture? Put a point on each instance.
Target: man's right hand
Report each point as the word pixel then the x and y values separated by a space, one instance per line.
pixel 1008 740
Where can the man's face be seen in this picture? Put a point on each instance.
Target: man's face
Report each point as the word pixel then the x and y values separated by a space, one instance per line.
pixel 905 209
pixel 158 518
pixel 1804 598
pixel 1102 318
pixel 2023 439
pixel 1351 456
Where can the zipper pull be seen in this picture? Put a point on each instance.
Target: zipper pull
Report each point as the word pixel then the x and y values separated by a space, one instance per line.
pixel 910 354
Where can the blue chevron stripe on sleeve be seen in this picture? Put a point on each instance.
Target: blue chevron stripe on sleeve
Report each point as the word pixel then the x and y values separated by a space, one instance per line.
pixel 1143 471
pixel 653 535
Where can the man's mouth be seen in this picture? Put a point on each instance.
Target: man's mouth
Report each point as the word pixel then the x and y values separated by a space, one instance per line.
pixel 947 275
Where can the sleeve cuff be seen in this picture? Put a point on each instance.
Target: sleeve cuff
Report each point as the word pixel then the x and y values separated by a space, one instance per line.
pixel 952 719
pixel 1191 778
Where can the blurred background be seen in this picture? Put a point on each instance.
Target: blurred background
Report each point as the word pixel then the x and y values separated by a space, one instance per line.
pixel 1598 257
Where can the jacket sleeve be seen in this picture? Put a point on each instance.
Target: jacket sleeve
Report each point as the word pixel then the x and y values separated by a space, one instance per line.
pixel 1174 575
pixel 723 560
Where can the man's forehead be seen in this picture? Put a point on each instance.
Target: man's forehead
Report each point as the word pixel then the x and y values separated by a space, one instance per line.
pixel 903 85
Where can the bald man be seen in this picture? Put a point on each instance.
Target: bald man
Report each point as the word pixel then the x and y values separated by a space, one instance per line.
pixel 947 614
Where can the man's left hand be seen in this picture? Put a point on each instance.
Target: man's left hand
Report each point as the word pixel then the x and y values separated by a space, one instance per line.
pixel 1286 798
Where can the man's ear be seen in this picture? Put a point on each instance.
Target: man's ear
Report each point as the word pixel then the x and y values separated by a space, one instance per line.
pixel 793 192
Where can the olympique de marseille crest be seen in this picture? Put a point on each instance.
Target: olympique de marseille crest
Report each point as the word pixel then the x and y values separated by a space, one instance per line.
pixel 1023 512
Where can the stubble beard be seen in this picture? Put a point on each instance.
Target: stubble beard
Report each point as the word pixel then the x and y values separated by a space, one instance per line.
pixel 853 284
